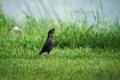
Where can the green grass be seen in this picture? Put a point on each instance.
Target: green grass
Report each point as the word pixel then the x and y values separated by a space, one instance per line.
pixel 61 64
pixel 19 58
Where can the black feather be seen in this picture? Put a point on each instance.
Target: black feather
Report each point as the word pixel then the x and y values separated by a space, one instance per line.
pixel 49 44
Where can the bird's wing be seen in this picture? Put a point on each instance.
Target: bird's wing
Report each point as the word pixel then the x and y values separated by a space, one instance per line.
pixel 46 46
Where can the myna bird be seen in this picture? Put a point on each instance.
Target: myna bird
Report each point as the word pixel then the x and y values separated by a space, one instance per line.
pixel 49 42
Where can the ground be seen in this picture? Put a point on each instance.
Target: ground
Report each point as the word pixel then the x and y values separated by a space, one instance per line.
pixel 60 64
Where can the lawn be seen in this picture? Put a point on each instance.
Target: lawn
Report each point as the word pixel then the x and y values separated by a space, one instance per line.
pixel 61 64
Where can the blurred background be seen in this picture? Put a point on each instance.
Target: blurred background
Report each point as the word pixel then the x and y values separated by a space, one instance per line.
pixel 91 23
pixel 18 9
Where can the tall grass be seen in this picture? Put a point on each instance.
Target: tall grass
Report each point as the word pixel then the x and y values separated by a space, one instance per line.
pixel 77 33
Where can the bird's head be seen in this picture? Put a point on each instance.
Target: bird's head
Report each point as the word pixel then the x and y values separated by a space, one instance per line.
pixel 51 31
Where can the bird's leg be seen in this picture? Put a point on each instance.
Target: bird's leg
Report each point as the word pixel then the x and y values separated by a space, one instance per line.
pixel 40 53
pixel 48 52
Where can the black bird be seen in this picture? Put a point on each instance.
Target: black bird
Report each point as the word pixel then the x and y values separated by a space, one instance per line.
pixel 49 42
